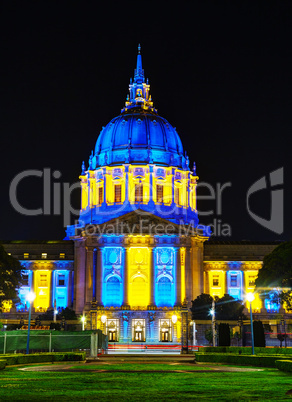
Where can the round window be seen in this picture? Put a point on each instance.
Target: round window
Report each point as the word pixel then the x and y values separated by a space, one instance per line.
pixel 113 257
pixel 164 257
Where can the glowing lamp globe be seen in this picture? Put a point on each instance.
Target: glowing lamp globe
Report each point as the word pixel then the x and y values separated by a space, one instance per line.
pixel 30 297
pixel 250 297
pixel 83 318
pixel 103 318
pixel 174 318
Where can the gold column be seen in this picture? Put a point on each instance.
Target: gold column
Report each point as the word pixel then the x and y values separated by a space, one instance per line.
pixel 188 275
pixel 178 277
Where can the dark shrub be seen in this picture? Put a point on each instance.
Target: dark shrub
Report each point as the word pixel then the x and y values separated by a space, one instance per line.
pixel 224 334
pixel 259 334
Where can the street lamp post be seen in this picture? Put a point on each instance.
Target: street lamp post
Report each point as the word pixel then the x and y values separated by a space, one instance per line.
pixel 55 311
pixel 212 312
pixel 250 298
pixel 30 298
pixel 83 319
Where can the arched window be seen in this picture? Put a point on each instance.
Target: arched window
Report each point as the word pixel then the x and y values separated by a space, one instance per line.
pixel 164 292
pixel 113 292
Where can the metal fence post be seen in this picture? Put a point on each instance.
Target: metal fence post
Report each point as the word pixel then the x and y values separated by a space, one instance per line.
pixel 4 346
pixel 50 343
pixel 93 345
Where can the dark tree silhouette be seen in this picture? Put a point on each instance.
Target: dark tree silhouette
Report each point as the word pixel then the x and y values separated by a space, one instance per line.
pixel 10 277
pixel 277 273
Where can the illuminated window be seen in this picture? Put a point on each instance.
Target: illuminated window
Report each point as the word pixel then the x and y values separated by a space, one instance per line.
pixel 215 280
pixel 251 281
pixel 43 280
pixel 100 195
pixel 62 255
pixel 233 280
pixel 118 193
pixel 25 255
pixel 176 195
pixel 164 292
pixel 159 192
pixel 44 255
pixel 138 192
pixel 113 292
pixel 61 280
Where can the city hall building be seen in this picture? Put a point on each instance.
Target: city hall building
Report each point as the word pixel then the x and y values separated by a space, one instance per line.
pixel 138 255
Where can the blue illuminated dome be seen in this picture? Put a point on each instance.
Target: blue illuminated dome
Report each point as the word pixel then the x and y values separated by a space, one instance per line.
pixel 139 135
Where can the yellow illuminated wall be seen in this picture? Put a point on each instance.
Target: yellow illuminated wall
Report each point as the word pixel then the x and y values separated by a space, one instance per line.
pixel 42 288
pixel 84 191
pixel 217 283
pixel 250 277
pixel 138 276
pixel 193 196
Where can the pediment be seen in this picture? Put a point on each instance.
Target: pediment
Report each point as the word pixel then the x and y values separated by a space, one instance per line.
pixel 136 222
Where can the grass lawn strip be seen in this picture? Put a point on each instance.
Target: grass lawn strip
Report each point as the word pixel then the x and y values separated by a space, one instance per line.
pixel 264 385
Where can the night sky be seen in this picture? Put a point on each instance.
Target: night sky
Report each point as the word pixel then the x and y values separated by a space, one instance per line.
pixel 220 72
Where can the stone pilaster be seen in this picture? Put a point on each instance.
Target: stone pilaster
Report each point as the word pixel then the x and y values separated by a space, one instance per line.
pixel 126 278
pixel 152 278
pixel 79 277
pixel 99 274
pixel 178 277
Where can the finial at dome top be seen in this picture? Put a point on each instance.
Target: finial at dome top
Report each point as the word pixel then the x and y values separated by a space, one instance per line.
pixel 139 89
pixel 139 72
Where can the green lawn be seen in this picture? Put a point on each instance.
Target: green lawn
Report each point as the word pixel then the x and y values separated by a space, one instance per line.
pixel 266 385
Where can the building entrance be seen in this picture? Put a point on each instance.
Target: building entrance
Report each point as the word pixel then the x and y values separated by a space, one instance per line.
pixel 165 330
pixel 138 331
pixel 113 330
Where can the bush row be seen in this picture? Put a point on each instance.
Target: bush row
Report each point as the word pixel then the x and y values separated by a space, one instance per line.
pixel 42 358
pixel 284 365
pixel 2 364
pixel 245 350
pixel 250 360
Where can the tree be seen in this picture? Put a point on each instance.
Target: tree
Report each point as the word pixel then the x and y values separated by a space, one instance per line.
pixel 10 276
pixel 277 273
pixel 201 307
pixel 67 313
pixel 228 308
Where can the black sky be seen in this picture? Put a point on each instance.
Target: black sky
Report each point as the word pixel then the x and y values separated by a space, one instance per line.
pixel 219 71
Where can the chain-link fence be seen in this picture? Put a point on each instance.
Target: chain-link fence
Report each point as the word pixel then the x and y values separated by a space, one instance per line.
pixel 49 341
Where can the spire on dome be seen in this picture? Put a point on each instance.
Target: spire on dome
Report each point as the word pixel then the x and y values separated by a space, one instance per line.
pixel 139 72
pixel 139 90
